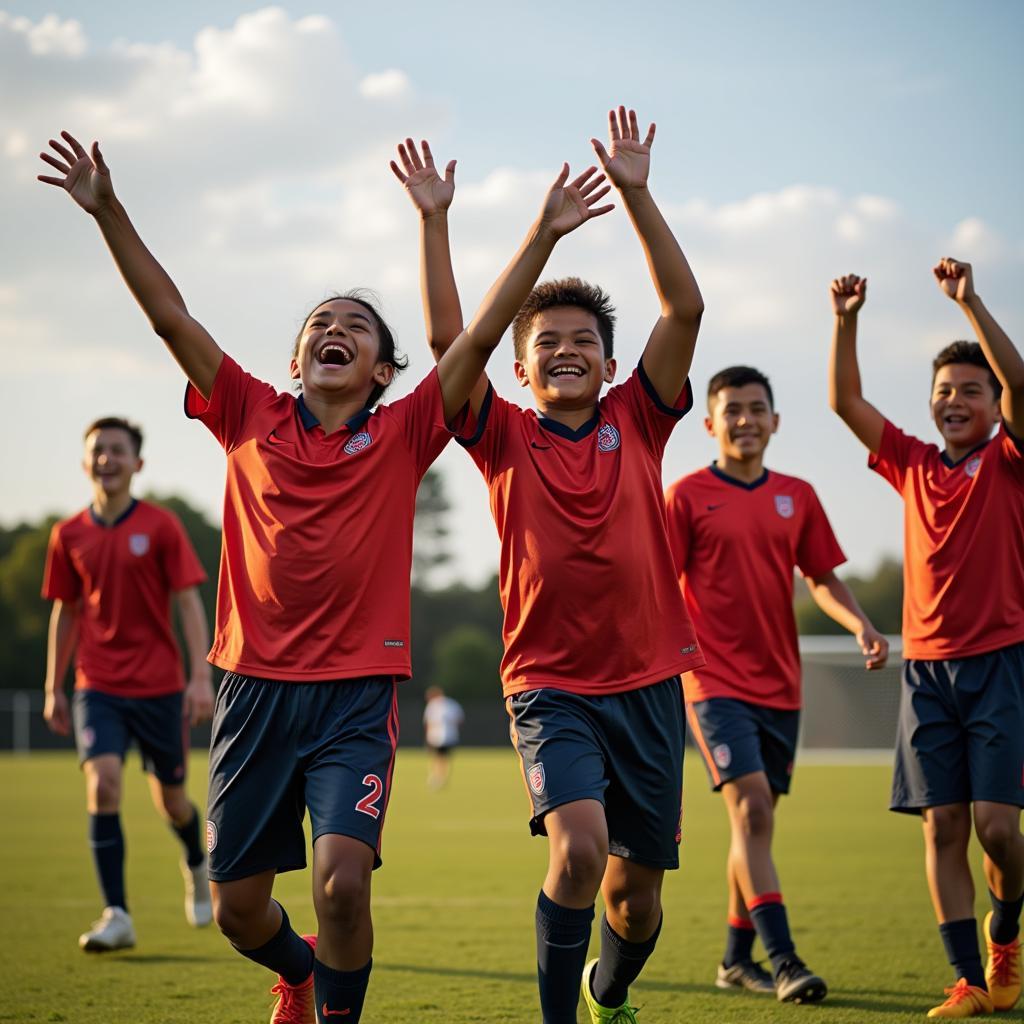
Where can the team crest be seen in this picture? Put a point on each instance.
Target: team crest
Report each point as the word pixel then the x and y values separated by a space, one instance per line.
pixel 608 438
pixel 784 506
pixel 138 544
pixel 358 442
pixel 537 777
pixel 211 837
pixel 722 755
pixel 972 465
pixel 88 736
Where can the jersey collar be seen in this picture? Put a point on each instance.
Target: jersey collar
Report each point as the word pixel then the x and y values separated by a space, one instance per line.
pixel 950 464
pixel 562 430
pixel 762 479
pixel 117 522
pixel 309 421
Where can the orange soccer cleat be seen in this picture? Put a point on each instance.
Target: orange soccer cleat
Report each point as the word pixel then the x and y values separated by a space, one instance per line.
pixel 1002 972
pixel 296 1004
pixel 964 1001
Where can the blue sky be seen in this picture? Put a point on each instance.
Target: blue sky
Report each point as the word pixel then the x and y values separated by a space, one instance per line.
pixel 796 141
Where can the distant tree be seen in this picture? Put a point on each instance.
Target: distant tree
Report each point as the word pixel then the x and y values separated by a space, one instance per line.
pixel 430 529
pixel 467 662
pixel 880 595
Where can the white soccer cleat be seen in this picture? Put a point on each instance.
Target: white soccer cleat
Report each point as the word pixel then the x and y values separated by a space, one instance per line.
pixel 114 930
pixel 198 908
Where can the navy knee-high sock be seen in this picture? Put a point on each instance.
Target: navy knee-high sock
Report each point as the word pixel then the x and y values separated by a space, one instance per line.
pixel 107 842
pixel 1005 924
pixel 189 836
pixel 739 941
pixel 287 953
pixel 961 941
pixel 620 965
pixel 340 993
pixel 563 934
pixel 768 913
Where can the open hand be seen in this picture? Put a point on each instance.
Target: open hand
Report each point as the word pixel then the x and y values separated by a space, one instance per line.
pixel 197 702
pixel 566 207
pixel 629 162
pixel 57 712
pixel 875 648
pixel 956 279
pixel 85 177
pixel 429 192
pixel 848 294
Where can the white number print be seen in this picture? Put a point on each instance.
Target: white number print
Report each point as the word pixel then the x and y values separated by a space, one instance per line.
pixel 368 805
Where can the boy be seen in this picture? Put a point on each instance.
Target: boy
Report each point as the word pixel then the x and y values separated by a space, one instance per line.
pixel 595 631
pixel 111 571
pixel 735 523
pixel 442 717
pixel 960 743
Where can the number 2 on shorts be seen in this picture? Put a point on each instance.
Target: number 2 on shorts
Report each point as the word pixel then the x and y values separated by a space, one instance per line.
pixel 368 805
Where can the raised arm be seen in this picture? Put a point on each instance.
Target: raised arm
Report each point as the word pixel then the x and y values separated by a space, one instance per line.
pixel 836 600
pixel 60 648
pixel 566 207
pixel 86 178
pixel 956 280
pixel 848 294
pixel 198 703
pixel 669 351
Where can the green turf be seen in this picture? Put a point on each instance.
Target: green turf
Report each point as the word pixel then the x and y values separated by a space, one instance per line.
pixel 453 907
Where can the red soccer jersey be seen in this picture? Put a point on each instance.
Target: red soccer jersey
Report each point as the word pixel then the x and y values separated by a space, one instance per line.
pixel 124 575
pixel 735 547
pixel 963 536
pixel 317 550
pixel 590 597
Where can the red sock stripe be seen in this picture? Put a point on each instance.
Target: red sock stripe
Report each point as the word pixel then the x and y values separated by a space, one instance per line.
pixel 764 899
pixel 741 922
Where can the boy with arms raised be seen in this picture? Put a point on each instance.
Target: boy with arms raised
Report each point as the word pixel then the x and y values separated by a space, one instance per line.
pixel 960 742
pixel 737 521
pixel 596 632
pixel 111 571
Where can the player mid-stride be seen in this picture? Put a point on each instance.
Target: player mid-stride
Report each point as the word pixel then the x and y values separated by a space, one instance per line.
pixel 960 741
pixel 111 571
pixel 737 526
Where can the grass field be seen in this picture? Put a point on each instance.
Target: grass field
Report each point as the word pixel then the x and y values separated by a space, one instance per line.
pixel 453 907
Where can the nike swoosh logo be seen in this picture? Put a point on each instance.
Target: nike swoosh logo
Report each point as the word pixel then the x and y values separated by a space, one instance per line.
pixel 540 447
pixel 711 508
pixel 273 438
pixel 324 1012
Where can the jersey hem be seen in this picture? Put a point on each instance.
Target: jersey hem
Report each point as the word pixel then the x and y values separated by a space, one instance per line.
pixel 120 691
pixel 599 689
pixel 399 672
pixel 743 698
pixel 910 653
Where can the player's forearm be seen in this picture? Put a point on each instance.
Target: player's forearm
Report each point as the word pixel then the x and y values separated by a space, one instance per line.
pixel 62 636
pixel 844 369
pixel 442 311
pixel 1001 354
pixel 836 600
pixel 196 632
pixel 673 279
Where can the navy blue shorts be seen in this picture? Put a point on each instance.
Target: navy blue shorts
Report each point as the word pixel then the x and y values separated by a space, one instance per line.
pixel 105 724
pixel 623 749
pixel 960 736
pixel 737 738
pixel 278 748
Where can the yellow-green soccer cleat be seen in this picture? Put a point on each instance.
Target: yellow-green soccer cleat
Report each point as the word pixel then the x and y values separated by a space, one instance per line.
pixel 1002 972
pixel 624 1014
pixel 964 1001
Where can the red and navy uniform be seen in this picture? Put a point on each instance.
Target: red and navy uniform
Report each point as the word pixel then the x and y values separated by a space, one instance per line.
pixel 743 705
pixel 961 729
pixel 314 588
pixel 592 607
pixel 128 670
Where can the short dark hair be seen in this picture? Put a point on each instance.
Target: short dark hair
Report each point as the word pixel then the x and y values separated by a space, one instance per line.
pixel 117 423
pixel 966 352
pixel 566 291
pixel 738 377
pixel 388 349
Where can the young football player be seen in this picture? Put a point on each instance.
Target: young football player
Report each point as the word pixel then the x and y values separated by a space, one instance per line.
pixel 442 717
pixel 960 743
pixel 596 631
pixel 313 601
pixel 737 521
pixel 111 572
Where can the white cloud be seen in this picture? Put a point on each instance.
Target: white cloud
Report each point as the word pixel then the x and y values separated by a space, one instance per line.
pixel 385 85
pixel 49 37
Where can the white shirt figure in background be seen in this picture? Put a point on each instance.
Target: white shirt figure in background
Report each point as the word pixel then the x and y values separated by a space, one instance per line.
pixel 441 720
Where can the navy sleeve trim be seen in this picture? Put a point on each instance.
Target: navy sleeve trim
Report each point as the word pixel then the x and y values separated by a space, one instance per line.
pixel 481 420
pixel 188 414
pixel 1018 442
pixel 652 394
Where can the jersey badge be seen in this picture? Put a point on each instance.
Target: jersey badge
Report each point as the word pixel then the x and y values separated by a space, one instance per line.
pixel 537 777
pixel 972 465
pixel 357 442
pixel 608 438
pixel 138 544
pixel 211 836
pixel 784 506
pixel 88 737
pixel 722 755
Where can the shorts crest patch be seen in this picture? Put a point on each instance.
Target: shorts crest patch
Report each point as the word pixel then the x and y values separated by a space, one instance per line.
pixel 138 544
pixel 211 836
pixel 357 442
pixel 608 438
pixel 722 755
pixel 88 736
pixel 972 465
pixel 784 506
pixel 537 778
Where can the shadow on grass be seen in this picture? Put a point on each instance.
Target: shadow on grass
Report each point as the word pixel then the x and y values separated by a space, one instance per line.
pixel 159 958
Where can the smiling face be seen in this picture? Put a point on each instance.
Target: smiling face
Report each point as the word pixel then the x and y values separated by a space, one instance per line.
pixel 564 363
pixel 110 461
pixel 742 420
pixel 964 405
pixel 338 351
